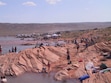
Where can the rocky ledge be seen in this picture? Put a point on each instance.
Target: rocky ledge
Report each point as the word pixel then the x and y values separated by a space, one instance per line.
pixel 33 60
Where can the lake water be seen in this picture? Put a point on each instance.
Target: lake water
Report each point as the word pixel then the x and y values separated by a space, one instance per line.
pixel 38 78
pixel 8 42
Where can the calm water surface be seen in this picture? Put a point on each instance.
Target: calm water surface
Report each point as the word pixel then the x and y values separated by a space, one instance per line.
pixel 8 42
pixel 38 78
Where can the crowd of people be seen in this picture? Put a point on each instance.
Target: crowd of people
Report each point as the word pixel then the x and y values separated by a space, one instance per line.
pixel 14 49
pixel 47 67
pixel 87 42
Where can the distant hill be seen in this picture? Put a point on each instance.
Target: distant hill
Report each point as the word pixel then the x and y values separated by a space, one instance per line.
pixel 13 29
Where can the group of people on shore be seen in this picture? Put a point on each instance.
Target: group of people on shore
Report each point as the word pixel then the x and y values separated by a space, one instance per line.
pixel 14 49
pixel 87 41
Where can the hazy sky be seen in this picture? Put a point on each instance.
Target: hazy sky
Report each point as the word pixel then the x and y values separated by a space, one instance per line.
pixel 54 11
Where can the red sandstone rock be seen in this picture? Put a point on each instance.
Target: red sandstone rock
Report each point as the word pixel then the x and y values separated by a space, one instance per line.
pixel 32 60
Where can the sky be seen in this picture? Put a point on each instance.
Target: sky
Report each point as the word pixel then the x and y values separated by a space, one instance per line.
pixel 54 11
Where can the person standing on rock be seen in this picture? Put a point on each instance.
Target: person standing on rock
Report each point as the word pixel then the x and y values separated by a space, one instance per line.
pixel 9 51
pixel 75 41
pixel 44 69
pixel 49 66
pixel 68 56
pixel 86 45
pixel 15 49
pixel 41 45
pixel 0 49
pixel 92 41
pixel 77 47
pixel 67 51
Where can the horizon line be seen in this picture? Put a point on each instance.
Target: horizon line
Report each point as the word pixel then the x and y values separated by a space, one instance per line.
pixel 53 22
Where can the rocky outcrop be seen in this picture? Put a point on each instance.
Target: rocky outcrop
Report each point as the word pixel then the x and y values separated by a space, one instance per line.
pixel 93 54
pixel 104 46
pixel 33 60
pixel 29 60
pixel 65 72
pixel 81 59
